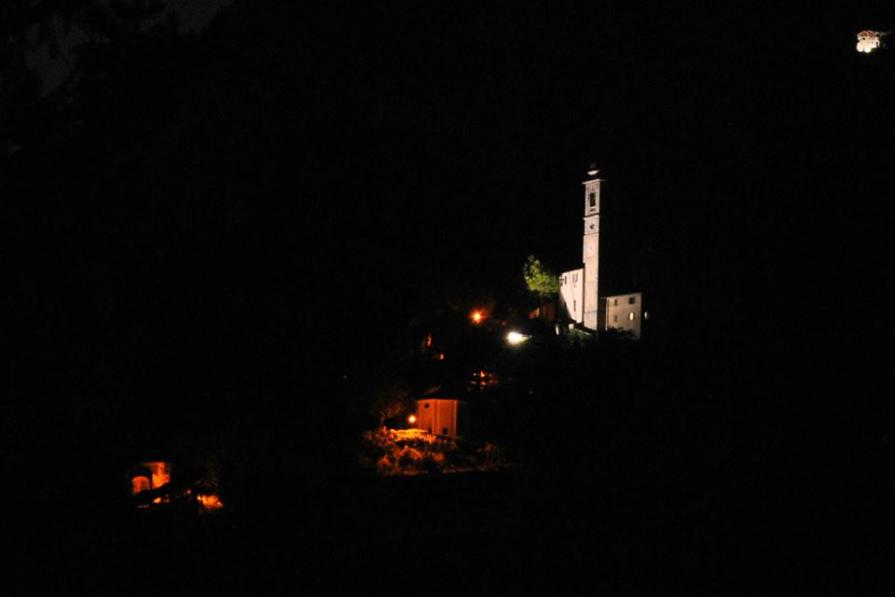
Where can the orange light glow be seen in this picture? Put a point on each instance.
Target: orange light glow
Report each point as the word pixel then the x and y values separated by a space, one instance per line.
pixel 161 473
pixel 477 316
pixel 209 502
pixel 411 419
pixel 140 483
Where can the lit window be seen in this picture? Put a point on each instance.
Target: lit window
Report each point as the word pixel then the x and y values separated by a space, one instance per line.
pixel 631 316
pixel 646 314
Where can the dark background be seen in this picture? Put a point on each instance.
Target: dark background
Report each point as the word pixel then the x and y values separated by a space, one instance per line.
pixel 343 167
pixel 211 229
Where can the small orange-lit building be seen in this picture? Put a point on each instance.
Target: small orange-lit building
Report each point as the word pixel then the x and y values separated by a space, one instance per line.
pixel 441 416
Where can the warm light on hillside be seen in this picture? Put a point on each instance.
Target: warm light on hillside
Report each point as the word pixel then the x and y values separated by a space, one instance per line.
pixel 140 483
pixel 209 502
pixel 161 473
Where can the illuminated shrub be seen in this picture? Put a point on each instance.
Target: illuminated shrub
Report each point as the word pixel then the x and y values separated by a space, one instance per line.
pixel 414 451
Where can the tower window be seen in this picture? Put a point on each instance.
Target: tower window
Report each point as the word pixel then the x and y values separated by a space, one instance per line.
pixel 632 300
pixel 592 199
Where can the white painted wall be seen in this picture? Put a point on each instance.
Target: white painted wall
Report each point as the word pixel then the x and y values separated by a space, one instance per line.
pixel 590 250
pixel 571 293
pixel 625 312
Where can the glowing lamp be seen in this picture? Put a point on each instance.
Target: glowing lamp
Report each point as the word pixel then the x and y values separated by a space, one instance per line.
pixel 477 317
pixel 411 419
pixel 515 338
pixel 868 41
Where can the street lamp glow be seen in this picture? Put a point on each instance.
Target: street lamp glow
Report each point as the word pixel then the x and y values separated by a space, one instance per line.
pixel 477 316
pixel 515 338
pixel 411 419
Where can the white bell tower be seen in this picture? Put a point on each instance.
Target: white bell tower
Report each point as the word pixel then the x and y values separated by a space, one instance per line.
pixel 591 248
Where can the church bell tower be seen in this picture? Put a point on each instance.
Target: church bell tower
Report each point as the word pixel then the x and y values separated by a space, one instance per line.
pixel 591 248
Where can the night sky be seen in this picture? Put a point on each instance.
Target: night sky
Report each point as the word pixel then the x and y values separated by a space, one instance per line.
pixel 204 204
pixel 229 221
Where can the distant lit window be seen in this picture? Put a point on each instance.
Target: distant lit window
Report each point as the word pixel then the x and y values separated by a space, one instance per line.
pixel 646 314
pixel 632 300
pixel 631 316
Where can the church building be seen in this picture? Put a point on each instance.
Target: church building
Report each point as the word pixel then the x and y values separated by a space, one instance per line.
pixel 579 289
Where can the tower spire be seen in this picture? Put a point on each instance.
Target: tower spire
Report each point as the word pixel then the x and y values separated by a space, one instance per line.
pixel 591 247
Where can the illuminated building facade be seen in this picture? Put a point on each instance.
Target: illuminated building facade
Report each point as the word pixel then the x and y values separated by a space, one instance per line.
pixel 571 293
pixel 579 289
pixel 438 415
pixel 625 312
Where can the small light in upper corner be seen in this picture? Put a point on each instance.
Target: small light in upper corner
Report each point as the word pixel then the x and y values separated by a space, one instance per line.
pixel 868 41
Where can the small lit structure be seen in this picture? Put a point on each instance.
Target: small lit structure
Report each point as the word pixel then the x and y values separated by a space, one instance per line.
pixel 151 486
pixel 440 416
pixel 625 312
pixel 149 476
pixel 868 41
